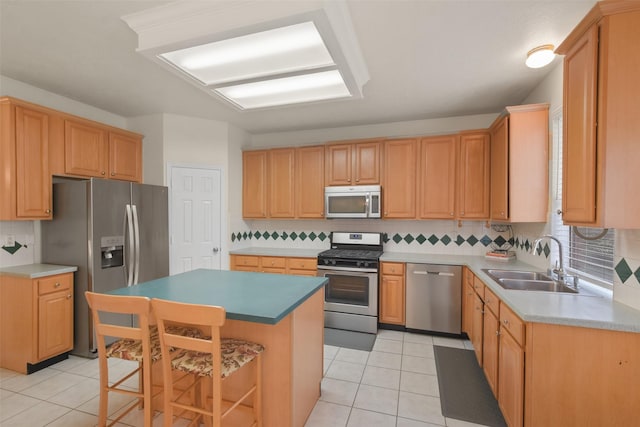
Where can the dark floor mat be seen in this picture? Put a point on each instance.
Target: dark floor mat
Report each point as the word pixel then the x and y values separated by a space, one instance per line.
pixel 464 390
pixel 349 339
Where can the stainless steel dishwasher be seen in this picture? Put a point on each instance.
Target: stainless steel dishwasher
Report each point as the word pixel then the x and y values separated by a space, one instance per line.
pixel 434 298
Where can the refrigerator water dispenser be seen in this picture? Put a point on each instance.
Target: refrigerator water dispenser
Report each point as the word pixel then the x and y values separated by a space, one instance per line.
pixel 112 251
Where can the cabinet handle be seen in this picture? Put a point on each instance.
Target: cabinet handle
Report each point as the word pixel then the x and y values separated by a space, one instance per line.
pixel 57 285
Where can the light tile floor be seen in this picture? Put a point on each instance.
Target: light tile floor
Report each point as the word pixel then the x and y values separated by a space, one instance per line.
pixel 395 385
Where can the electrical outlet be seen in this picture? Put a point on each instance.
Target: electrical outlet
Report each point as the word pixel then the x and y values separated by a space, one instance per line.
pixel 9 240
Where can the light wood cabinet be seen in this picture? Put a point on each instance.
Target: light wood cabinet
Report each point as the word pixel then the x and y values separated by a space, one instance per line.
pixel 477 327
pixel 467 301
pixel 392 293
pixel 510 393
pixel 25 182
pixel 281 174
pixel 91 150
pixel 254 184
pixel 473 175
pixel 309 182
pixel 271 264
pixel 600 117
pixel 353 162
pixel 520 164
pixel 37 320
pixel 490 332
pixel 437 186
pixel 400 178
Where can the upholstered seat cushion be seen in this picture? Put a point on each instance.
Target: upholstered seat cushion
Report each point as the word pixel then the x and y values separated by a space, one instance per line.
pixel 129 349
pixel 235 353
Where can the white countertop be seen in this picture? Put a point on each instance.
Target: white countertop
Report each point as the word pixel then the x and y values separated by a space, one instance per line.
pixel 34 271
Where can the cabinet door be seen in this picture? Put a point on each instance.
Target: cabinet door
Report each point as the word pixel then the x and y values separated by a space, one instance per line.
pixel 366 156
pixel 125 157
pixel 436 193
pixel 400 178
pixel 467 309
pixel 511 379
pixel 281 183
pixel 499 170
pixel 310 182
pixel 579 130
pixel 85 150
pixel 55 323
pixel 254 184
pixel 473 190
pixel 338 164
pixel 491 327
pixel 33 181
pixel 477 327
pixel 392 292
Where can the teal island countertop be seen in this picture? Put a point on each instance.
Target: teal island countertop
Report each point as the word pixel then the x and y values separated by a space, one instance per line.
pixel 253 297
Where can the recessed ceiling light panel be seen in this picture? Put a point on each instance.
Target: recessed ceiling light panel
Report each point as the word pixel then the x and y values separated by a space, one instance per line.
pixel 267 53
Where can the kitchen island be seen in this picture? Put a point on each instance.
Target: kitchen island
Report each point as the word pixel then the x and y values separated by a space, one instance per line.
pixel 282 312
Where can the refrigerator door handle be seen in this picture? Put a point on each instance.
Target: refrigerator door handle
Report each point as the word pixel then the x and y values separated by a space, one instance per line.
pixel 136 230
pixel 129 264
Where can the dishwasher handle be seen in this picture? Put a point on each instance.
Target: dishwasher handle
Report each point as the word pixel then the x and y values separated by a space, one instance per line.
pixel 436 273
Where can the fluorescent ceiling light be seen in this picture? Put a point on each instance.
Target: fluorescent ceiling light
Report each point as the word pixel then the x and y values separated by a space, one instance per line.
pixel 281 50
pixel 540 56
pixel 287 90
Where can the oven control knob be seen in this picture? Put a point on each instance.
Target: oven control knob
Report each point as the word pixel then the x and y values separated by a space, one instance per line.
pixel 333 262
pixel 359 264
pixel 365 264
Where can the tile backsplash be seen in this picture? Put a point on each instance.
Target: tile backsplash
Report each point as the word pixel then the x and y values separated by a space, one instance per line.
pixel 23 250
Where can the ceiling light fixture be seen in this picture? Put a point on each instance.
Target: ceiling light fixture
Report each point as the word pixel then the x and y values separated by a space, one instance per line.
pixel 263 54
pixel 540 56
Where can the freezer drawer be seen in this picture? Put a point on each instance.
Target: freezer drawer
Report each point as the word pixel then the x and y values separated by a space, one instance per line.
pixel 434 298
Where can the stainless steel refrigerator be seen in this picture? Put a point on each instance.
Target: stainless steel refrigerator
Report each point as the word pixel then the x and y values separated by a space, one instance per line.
pixel 115 232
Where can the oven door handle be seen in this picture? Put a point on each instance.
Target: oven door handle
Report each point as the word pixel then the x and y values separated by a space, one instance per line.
pixel 351 270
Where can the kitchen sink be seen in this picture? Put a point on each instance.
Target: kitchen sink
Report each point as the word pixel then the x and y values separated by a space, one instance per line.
pixel 527 281
pixel 521 275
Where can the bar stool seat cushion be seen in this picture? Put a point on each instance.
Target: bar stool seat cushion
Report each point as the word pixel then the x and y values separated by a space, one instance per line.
pixel 129 349
pixel 235 353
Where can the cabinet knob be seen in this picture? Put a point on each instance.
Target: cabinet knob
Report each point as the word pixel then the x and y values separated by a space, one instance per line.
pixel 462 213
pixel 357 180
pixel 47 211
pixel 113 174
pixel 497 333
pixel 69 296
pixel 506 322
pixel 450 213
pixel 102 173
pixel 57 285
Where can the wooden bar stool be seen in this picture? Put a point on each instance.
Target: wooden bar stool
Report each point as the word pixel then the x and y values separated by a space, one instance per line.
pixel 210 357
pixel 134 343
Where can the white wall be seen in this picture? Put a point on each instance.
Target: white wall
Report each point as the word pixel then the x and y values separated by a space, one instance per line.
pixel 153 165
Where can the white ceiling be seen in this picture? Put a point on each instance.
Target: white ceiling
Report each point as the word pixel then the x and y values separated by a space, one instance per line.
pixel 427 59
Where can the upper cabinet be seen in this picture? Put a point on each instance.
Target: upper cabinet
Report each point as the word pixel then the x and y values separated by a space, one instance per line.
pixel 400 178
pixel 280 175
pixel 473 176
pixel 520 164
pixel 600 118
pixel 437 186
pixel 95 151
pixel 254 184
pixel 25 182
pixel 353 163
pixel 310 182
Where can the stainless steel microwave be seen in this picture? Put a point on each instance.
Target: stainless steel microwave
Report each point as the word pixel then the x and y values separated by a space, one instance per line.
pixel 361 201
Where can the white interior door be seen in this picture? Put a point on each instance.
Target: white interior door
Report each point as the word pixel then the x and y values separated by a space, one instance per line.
pixel 196 218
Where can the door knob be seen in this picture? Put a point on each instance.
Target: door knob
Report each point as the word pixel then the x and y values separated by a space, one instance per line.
pixel 216 250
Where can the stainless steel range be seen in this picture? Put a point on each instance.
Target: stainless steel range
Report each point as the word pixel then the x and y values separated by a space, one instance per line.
pixel 351 296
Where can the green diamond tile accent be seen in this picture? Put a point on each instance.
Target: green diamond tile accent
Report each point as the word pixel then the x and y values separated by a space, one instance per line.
pixel 303 236
pixel 637 275
pixel 499 241
pixel 472 240
pixel 233 237
pixel 265 235
pixel 251 235
pixel 527 245
pixel 459 240
pixel 245 235
pixel 546 250
pixel 284 235
pixel 275 235
pixel 322 236
pixel 421 239
pixel 445 239
pixel 293 235
pixel 312 236
pixel 385 238
pixel 623 270
pixel 408 238
pixel 433 239
pixel 12 249
pixel 486 240
pixel 397 238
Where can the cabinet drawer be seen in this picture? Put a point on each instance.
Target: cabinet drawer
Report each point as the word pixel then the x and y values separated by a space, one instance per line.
pixel 46 285
pixel 512 323
pixel 491 301
pixel 393 268
pixel 274 262
pixel 246 260
pixel 478 286
pixel 303 263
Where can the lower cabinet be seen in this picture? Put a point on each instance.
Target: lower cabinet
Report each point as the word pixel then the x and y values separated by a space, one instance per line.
pixel 392 293
pixel 37 320
pixel 278 265
pixel 510 378
pixel 490 333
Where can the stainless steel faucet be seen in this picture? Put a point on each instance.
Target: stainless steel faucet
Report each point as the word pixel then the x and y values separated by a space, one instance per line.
pixel 560 270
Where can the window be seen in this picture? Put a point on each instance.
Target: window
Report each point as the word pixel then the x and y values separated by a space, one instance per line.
pixel 590 257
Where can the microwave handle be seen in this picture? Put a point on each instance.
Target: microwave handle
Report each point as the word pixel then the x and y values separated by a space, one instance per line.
pixel 367 203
